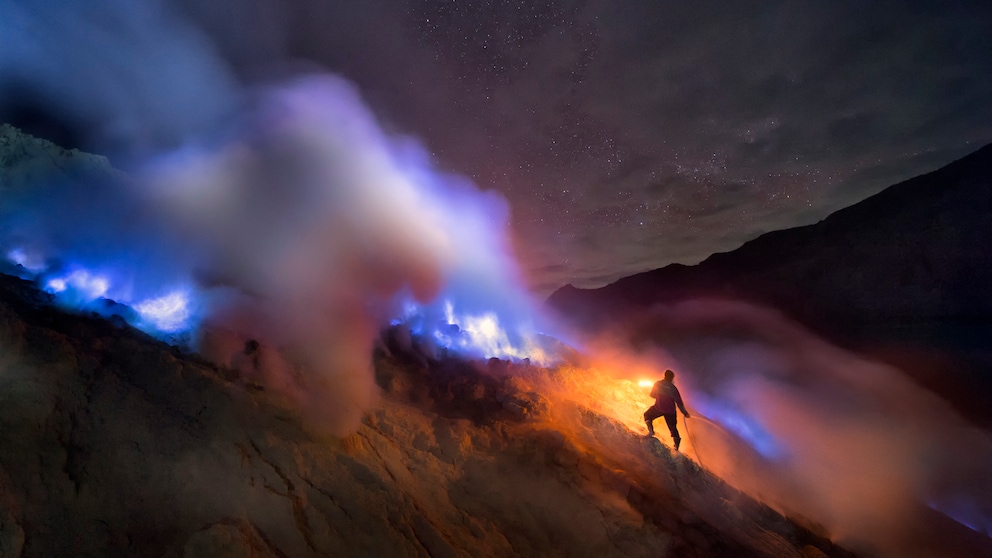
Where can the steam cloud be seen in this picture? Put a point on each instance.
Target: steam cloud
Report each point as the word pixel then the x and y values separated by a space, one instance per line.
pixel 130 75
pixel 290 218
pixel 853 444
pixel 286 215
pixel 324 224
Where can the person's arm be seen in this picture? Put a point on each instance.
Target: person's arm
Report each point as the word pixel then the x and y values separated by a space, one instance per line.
pixel 678 401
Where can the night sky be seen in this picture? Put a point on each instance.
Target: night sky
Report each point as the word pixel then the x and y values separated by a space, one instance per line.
pixel 625 135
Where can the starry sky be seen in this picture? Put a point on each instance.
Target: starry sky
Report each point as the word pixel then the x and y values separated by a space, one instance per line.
pixel 630 135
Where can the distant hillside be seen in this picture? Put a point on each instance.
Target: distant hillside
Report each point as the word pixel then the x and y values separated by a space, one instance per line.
pixel 904 275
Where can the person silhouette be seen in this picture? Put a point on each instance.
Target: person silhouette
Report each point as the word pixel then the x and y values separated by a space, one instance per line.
pixel 666 398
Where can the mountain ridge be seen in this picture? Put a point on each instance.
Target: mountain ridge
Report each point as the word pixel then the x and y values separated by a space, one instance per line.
pixel 901 275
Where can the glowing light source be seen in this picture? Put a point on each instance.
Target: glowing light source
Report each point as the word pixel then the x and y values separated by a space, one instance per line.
pixel 168 313
pixel 30 262
pixel 56 285
pixel 79 286
pixel 645 383
pixel 481 335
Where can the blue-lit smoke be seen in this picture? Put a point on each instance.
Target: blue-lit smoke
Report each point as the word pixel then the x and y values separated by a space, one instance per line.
pixel 963 509
pixel 134 72
pixel 307 228
pixel 287 216
pixel 730 416
pixel 820 432
pixel 83 234
pixel 479 332
pixel 281 213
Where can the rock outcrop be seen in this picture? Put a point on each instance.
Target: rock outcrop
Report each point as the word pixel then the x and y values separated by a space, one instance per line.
pixel 26 160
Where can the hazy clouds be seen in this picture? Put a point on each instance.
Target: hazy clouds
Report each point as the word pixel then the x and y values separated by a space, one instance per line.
pixel 817 431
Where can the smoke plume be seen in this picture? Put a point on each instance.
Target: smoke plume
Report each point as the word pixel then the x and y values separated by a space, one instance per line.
pixel 276 224
pixel 854 445
pixel 282 226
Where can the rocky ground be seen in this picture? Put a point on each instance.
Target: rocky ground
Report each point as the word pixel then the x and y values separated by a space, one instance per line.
pixel 114 444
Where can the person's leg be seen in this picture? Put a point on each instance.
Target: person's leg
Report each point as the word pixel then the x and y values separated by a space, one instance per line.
pixel 670 420
pixel 649 416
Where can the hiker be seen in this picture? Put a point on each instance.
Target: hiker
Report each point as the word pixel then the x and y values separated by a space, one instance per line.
pixel 666 397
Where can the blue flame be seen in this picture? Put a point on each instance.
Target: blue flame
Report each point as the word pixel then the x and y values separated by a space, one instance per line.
pixel 480 333
pixel 30 262
pixel 354 216
pixel 964 510
pixel 473 329
pixel 78 288
pixel 167 314
pixel 746 427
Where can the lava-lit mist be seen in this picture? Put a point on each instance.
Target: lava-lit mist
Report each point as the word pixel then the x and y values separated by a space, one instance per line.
pixel 851 444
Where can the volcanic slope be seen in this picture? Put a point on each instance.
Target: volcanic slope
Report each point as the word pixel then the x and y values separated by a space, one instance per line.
pixel 115 444
pixel 901 276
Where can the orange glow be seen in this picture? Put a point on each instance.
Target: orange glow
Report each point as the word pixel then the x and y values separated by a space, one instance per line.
pixel 603 392
pixel 645 383
pixel 600 390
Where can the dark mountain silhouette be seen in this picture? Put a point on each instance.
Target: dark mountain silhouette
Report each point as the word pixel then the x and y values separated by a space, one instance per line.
pixel 903 276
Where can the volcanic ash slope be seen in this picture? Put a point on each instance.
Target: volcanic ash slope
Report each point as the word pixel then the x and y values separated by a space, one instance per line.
pixel 114 444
